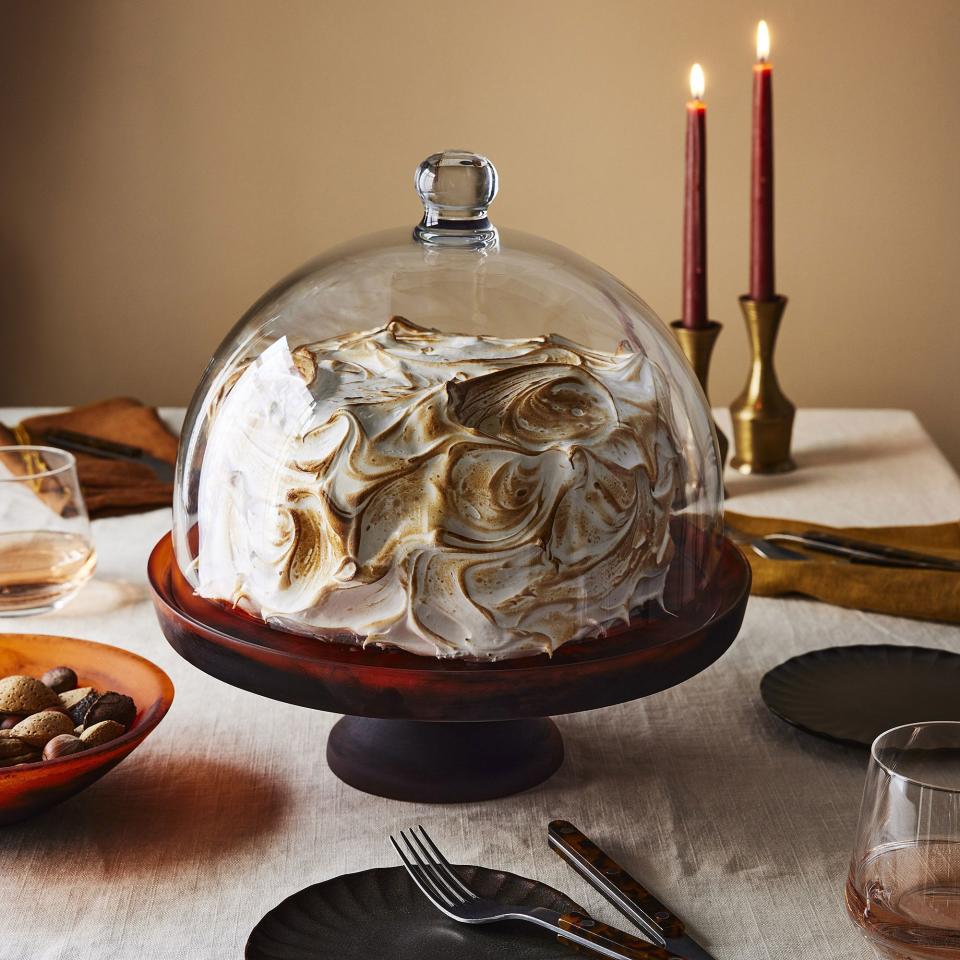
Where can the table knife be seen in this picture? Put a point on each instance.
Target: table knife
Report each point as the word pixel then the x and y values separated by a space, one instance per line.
pixel 634 901
pixel 865 551
pixel 856 551
pixel 97 447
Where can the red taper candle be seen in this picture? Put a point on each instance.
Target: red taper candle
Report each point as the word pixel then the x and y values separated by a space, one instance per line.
pixel 694 313
pixel 761 180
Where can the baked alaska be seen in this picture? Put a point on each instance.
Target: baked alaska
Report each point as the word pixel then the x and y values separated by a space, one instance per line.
pixel 455 496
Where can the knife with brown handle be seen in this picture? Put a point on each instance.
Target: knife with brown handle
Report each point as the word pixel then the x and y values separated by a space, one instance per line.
pixel 633 900
pixel 866 551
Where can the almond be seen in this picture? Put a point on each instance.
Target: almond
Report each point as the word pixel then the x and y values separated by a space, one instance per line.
pixel 25 695
pixel 102 732
pixel 13 751
pixel 38 728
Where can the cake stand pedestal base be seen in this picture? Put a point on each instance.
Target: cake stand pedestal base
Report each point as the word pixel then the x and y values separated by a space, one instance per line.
pixel 441 762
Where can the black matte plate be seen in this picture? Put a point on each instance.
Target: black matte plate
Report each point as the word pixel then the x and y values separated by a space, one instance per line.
pixel 852 694
pixel 381 915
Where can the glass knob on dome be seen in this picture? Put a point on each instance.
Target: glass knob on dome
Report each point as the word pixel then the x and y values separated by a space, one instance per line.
pixel 456 187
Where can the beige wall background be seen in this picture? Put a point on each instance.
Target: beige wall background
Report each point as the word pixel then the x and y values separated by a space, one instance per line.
pixel 165 161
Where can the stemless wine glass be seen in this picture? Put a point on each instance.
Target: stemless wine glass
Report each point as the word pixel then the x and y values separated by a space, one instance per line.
pixel 46 553
pixel 903 890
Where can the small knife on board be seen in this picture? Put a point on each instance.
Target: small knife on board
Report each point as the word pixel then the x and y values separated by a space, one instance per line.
pixel 109 450
pixel 635 902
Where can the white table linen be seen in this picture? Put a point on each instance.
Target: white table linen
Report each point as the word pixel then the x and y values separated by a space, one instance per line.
pixel 742 824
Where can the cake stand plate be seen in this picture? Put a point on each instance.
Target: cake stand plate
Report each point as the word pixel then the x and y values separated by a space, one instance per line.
pixel 424 729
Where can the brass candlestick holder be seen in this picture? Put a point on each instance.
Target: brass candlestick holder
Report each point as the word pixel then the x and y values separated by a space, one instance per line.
pixel 762 415
pixel 697 345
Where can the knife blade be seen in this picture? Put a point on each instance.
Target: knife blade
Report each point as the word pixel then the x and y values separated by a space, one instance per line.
pixel 866 550
pixel 632 899
pixel 97 447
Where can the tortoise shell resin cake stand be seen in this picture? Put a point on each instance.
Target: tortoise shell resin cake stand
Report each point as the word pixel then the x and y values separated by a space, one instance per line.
pixel 424 729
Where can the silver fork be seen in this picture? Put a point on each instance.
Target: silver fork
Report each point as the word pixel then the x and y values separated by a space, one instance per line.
pixel 445 889
pixel 762 545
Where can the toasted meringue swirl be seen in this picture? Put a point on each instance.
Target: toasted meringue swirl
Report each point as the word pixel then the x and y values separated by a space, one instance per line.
pixel 450 495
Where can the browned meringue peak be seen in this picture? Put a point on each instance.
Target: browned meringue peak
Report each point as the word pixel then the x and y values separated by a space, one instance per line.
pixel 447 494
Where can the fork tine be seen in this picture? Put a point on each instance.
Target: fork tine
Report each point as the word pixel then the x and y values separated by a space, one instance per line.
pixel 437 873
pixel 428 869
pixel 426 861
pixel 439 899
pixel 445 865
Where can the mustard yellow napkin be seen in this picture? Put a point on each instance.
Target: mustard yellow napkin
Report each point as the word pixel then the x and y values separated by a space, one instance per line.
pixel 900 592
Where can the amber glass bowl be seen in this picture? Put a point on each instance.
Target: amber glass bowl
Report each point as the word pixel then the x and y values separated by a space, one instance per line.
pixel 30 788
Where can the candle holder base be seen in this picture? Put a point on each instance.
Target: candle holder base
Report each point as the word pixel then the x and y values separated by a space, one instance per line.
pixel 697 345
pixel 762 415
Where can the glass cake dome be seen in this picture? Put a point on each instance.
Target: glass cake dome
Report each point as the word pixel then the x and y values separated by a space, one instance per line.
pixel 451 439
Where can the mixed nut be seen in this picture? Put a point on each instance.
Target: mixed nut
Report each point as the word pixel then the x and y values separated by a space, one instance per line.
pixel 52 717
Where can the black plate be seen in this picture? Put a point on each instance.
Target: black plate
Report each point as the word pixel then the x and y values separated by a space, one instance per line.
pixel 380 914
pixel 852 694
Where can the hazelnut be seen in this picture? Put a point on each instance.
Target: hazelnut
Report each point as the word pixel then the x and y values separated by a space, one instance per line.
pixel 78 702
pixel 111 706
pixel 14 750
pixel 102 732
pixel 62 746
pixel 10 721
pixel 39 728
pixel 59 679
pixel 25 695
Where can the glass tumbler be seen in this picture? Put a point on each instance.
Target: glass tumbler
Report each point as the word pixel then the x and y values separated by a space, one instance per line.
pixel 46 553
pixel 903 890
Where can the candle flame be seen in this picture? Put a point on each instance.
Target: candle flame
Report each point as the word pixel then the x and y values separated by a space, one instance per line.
pixel 697 82
pixel 763 41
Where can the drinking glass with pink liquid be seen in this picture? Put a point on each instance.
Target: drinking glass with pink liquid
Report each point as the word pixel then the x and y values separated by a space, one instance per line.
pixel 46 554
pixel 903 890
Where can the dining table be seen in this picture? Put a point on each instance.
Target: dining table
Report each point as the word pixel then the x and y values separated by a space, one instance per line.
pixel 739 822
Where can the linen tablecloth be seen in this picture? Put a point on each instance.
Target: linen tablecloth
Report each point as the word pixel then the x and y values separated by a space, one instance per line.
pixel 741 823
